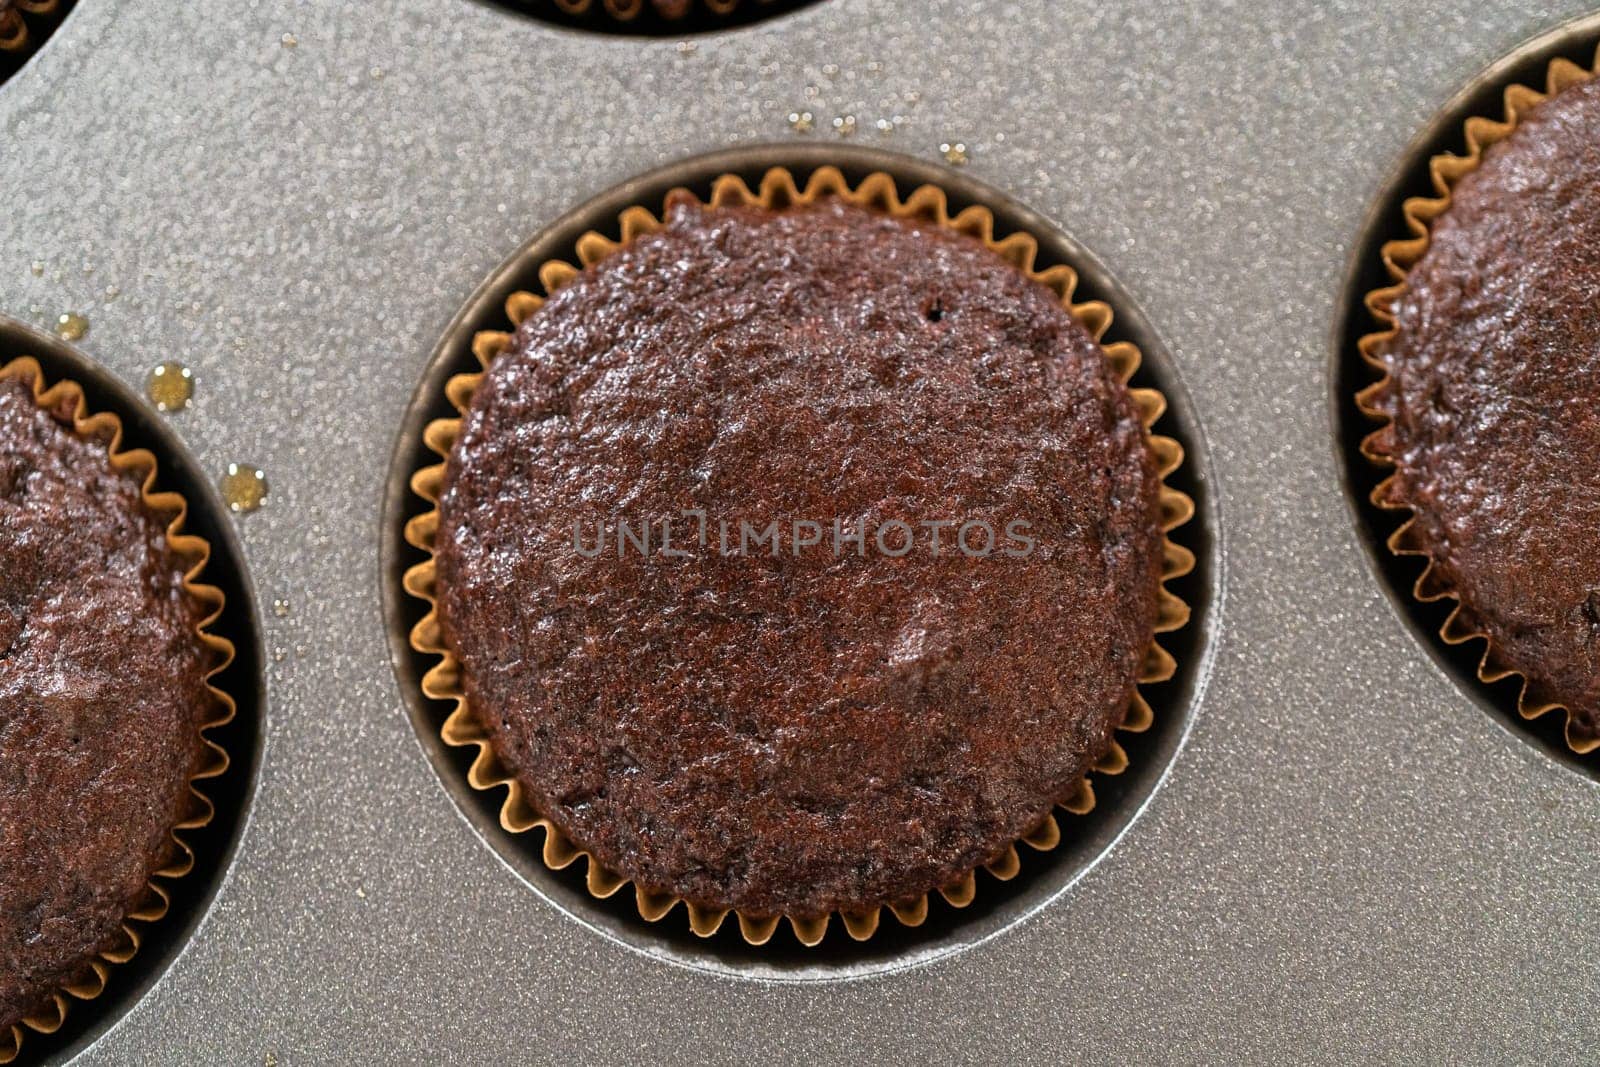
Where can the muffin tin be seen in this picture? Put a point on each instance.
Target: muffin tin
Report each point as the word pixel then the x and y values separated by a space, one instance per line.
pixel 1334 850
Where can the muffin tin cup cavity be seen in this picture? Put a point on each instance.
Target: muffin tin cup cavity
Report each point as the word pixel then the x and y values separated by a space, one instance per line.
pixel 775 177
pixel 1395 238
pixel 645 18
pixel 177 893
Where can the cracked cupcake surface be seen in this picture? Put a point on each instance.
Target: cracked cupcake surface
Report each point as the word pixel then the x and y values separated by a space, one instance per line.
pixel 812 726
pixel 102 698
pixel 1493 373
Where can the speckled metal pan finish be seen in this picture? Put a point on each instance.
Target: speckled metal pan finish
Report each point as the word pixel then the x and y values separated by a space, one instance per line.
pixel 1344 857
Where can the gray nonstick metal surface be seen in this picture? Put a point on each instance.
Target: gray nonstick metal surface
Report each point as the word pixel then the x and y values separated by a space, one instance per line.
pixel 1344 854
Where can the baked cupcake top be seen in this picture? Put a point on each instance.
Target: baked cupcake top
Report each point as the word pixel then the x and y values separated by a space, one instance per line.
pixel 1494 370
pixel 782 725
pixel 102 697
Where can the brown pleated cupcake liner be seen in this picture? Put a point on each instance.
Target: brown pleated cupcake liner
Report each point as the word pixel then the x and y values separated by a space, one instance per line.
pixel 1399 256
pixel 628 10
pixel 67 397
pixel 14 34
pixel 778 189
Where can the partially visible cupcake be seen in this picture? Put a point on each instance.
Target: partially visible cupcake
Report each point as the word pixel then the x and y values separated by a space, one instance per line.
pixel 13 31
pixel 898 685
pixel 1492 369
pixel 22 25
pixel 104 697
pixel 626 11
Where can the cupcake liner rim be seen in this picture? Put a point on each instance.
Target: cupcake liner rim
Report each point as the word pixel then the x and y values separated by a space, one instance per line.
pixel 628 10
pixel 14 35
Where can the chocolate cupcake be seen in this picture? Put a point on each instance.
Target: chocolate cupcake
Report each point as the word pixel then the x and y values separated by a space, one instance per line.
pixel 104 697
pixel 629 9
pixel 906 569
pixel 1489 383
pixel 654 14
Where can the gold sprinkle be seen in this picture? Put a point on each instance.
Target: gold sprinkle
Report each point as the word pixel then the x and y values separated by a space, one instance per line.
pixel 37 268
pixel 801 121
pixel 845 125
pixel 885 127
pixel 280 608
pixel 376 72
pixel 170 386
pixel 289 40
pixel 112 292
pixel 687 48
pixel 244 487
pixel 71 326
pixel 955 153
pixel 362 893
